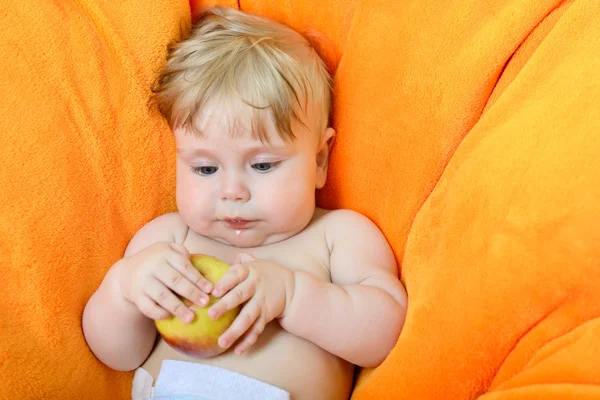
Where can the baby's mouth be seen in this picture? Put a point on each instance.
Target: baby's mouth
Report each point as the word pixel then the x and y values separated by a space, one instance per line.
pixel 237 223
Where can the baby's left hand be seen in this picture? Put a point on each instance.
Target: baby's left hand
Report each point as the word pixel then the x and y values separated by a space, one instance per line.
pixel 267 289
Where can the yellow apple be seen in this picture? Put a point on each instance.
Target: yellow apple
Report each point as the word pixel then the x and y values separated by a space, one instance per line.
pixel 199 338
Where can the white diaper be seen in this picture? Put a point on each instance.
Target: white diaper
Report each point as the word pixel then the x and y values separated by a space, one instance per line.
pixel 182 380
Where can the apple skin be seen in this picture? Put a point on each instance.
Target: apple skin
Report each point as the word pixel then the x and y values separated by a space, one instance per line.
pixel 200 337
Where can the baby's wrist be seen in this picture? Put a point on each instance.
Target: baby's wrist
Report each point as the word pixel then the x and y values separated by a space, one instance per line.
pixel 290 291
pixel 118 277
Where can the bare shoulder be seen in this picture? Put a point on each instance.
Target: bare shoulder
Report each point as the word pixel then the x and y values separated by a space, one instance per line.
pixel 342 223
pixel 164 228
pixel 355 240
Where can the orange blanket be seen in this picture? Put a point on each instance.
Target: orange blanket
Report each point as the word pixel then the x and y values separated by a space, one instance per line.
pixel 83 163
pixel 467 130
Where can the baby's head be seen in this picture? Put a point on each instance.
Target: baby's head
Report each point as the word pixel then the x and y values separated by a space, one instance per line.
pixel 249 102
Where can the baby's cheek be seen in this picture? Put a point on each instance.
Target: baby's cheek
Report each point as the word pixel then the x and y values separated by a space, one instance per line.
pixel 278 209
pixel 195 206
pixel 292 204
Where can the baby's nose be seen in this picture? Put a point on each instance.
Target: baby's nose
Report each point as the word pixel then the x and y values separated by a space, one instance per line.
pixel 234 189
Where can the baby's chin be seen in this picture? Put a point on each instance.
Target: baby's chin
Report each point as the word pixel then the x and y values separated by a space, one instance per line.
pixel 247 239
pixel 235 242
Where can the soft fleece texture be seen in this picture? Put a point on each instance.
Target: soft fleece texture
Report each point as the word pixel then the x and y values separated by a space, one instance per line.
pixel 468 131
pixel 83 164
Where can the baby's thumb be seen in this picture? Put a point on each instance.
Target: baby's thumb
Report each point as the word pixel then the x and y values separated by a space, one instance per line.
pixel 244 258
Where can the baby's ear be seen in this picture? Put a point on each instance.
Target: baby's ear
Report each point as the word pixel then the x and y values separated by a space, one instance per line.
pixel 323 156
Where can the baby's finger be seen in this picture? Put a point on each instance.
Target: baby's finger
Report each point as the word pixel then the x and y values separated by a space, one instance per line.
pixel 244 258
pixel 234 275
pixel 251 336
pixel 185 267
pixel 180 285
pixel 244 320
pixel 236 296
pixel 167 300
pixel 150 309
pixel 179 248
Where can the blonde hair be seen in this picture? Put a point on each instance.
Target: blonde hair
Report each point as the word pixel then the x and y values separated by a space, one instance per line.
pixel 263 63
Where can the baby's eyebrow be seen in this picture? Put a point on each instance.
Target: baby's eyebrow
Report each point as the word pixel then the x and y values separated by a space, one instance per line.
pixel 187 151
pixel 268 148
pixel 248 151
pixel 279 150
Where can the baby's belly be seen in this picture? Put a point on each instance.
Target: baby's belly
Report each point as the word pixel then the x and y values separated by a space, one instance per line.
pixel 280 359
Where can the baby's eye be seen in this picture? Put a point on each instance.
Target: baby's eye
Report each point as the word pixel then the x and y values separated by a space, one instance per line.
pixel 205 170
pixel 265 166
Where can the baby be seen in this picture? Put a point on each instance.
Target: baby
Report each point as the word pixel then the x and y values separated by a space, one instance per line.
pixel 248 100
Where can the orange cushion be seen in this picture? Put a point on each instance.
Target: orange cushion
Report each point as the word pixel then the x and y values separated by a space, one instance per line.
pixel 502 263
pixel 83 164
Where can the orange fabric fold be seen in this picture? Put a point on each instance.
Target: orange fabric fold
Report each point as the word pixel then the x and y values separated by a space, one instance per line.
pixel 84 164
pixel 502 262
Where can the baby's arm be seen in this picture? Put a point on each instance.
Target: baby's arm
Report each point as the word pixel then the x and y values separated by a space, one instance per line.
pixel 358 316
pixel 115 328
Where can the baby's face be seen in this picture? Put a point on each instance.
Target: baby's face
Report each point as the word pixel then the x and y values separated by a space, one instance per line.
pixel 238 190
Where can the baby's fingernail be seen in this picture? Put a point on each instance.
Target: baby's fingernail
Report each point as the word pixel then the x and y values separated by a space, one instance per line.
pixel 223 343
pixel 189 316
pixel 207 287
pixel 203 302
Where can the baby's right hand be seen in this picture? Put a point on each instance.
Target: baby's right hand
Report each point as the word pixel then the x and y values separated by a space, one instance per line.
pixel 149 278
